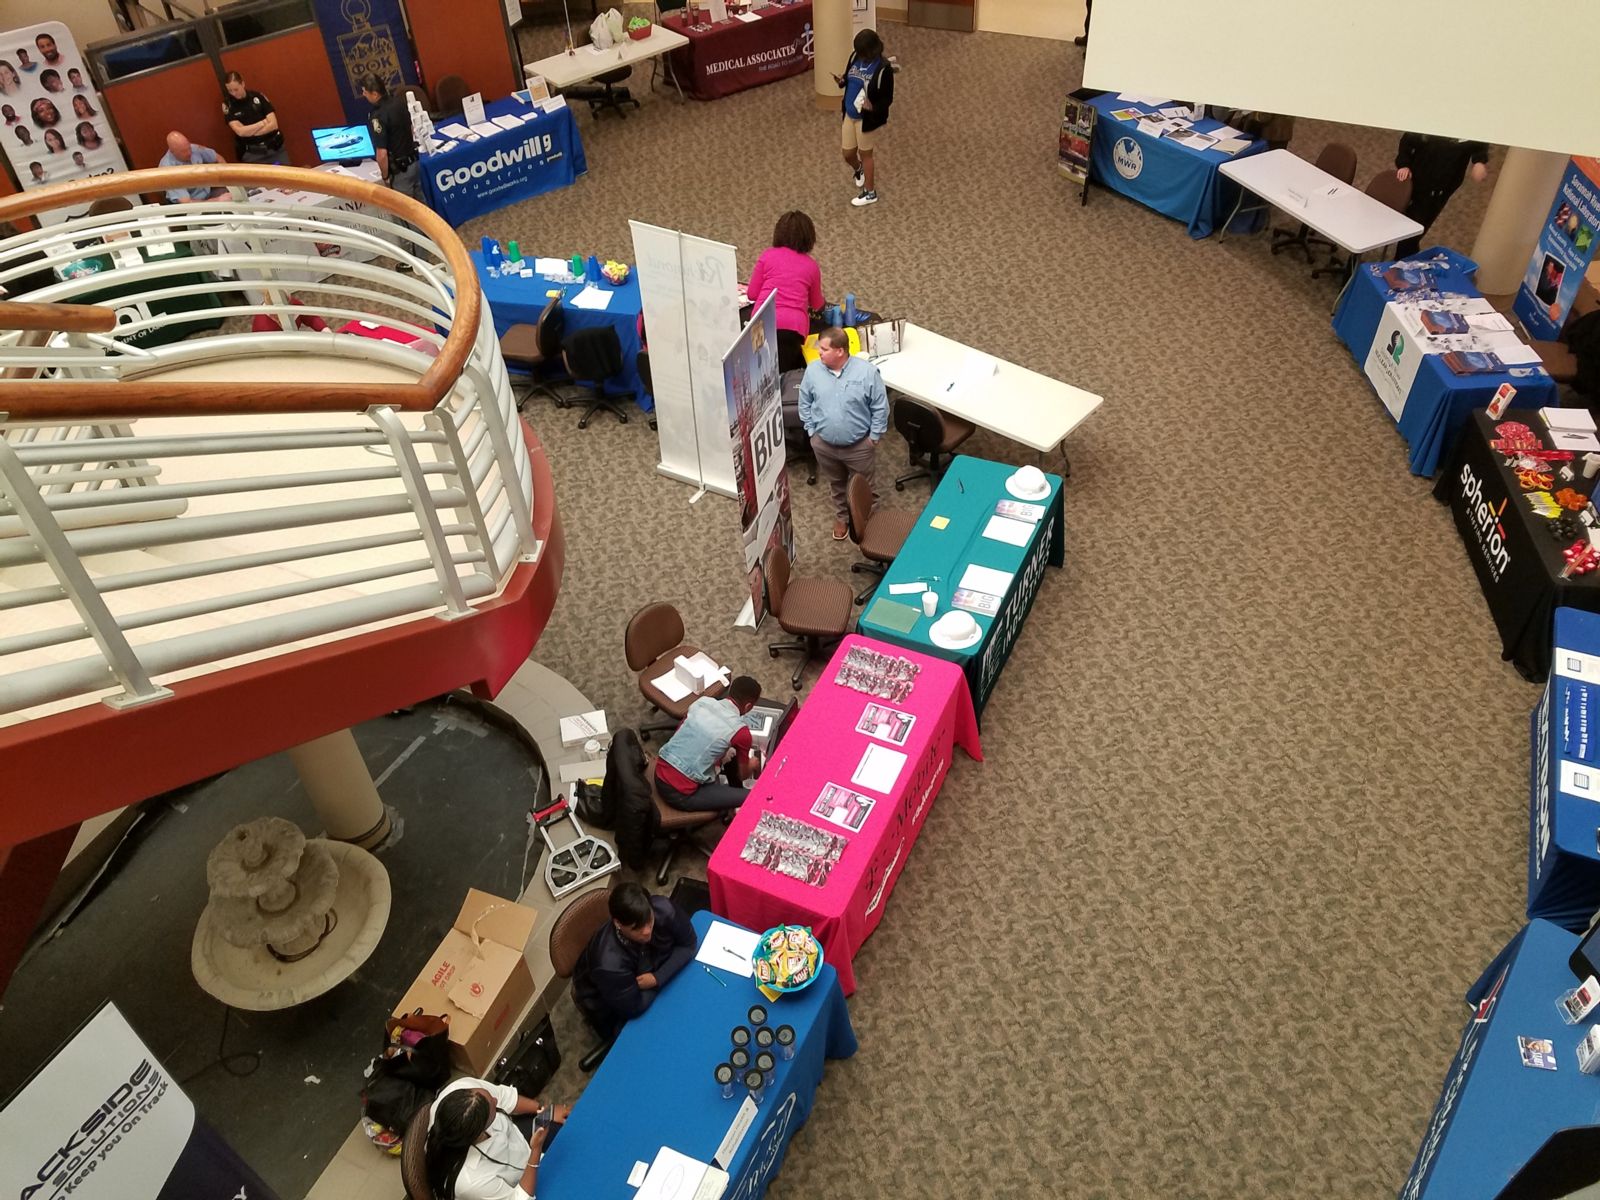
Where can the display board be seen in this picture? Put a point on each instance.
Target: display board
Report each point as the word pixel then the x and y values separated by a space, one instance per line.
pixel 1077 135
pixel 863 15
pixel 52 120
pixel 1563 253
pixel 755 430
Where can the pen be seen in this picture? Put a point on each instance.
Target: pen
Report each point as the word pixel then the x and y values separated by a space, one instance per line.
pixel 712 973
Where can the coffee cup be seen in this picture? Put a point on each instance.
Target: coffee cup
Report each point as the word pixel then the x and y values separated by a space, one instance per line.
pixel 930 603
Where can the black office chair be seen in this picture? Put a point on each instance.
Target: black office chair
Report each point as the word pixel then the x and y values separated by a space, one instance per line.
pixel 928 434
pixel 594 356
pixel 1338 160
pixel 452 90
pixel 603 93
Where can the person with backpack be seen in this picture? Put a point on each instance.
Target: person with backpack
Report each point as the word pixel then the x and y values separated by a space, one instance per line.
pixel 868 83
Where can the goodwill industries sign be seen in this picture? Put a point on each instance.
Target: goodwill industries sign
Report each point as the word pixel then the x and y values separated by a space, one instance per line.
pixel 472 178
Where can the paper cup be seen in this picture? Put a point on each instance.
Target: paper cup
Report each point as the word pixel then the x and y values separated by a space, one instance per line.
pixel 930 603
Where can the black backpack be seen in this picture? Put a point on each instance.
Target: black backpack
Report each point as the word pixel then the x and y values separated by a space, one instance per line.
pixel 403 1082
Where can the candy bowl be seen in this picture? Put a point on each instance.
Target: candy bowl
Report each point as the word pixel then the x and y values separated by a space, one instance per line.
pixel 787 958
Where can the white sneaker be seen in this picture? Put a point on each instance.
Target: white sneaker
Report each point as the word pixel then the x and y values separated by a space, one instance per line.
pixel 859 179
pixel 865 199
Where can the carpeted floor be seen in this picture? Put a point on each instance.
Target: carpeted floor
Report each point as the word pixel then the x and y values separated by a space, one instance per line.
pixel 1252 815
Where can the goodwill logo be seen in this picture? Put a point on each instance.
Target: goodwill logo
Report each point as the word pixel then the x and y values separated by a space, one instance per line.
pixel 534 150
pixel 1485 521
pixel 1127 158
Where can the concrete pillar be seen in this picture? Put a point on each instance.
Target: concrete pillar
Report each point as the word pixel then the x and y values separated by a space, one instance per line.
pixel 1523 192
pixel 832 37
pixel 340 786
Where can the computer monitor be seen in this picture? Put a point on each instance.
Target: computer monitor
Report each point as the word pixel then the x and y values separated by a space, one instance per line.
pixel 768 722
pixel 343 143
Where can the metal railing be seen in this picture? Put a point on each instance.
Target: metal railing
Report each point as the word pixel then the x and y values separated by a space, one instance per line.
pixel 283 437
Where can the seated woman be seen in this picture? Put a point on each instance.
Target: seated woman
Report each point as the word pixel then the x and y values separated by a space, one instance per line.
pixel 484 1141
pixel 788 269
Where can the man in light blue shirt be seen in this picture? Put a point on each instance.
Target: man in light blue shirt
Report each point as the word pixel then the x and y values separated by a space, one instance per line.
pixel 181 152
pixel 845 411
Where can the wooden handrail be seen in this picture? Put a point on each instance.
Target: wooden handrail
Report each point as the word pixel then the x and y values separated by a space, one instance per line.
pixel 77 399
pixel 57 318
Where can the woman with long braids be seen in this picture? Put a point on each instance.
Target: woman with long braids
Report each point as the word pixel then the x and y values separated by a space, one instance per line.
pixel 484 1142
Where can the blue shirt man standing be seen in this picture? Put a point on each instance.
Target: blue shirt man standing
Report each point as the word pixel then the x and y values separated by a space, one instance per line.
pixel 845 411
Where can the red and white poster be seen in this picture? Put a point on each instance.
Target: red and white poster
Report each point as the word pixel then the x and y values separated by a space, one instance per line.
pixel 755 429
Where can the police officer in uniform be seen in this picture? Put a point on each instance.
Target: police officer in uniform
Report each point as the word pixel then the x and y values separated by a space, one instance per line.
pixel 254 122
pixel 391 138
pixel 1436 166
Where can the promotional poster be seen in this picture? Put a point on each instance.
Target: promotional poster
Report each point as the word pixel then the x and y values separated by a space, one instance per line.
pixel 755 428
pixel 52 121
pixel 1077 131
pixel 1563 253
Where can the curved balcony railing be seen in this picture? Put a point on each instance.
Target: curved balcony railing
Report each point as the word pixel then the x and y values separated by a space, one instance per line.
pixel 234 427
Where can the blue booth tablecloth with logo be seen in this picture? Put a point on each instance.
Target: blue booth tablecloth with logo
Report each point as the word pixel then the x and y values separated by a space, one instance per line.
pixel 655 1087
pixel 1493 1112
pixel 519 299
pixel 538 156
pixel 1173 179
pixel 1564 780
pixel 1433 411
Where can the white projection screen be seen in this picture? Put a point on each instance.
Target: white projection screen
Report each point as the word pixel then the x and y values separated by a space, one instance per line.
pixel 1515 72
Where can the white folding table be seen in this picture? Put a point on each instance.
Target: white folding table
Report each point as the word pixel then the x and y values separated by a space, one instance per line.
pixel 583 64
pixel 1014 402
pixel 1340 212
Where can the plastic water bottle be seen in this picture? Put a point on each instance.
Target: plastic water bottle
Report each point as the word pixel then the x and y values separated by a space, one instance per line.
pixel 850 308
pixel 514 252
pixel 494 257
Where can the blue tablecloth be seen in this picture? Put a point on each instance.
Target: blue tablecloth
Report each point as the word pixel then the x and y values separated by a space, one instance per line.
pixel 1171 178
pixel 655 1087
pixel 538 156
pixel 1439 400
pixel 1563 860
pixel 514 299
pixel 1494 1113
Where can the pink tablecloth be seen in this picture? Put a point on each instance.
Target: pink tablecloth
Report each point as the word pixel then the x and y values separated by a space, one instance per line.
pixel 822 747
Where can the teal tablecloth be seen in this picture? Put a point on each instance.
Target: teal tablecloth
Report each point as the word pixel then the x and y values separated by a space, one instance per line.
pixel 966 497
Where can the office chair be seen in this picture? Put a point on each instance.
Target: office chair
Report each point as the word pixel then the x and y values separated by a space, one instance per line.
pixel 1386 188
pixel 815 610
pixel 928 434
pixel 1338 160
pixel 653 638
pixel 594 356
pixel 879 534
pixel 676 825
pixel 573 930
pixel 421 93
pixel 451 90
pixel 607 96
pixel 796 443
pixel 413 1156
pixel 534 346
pixel 110 204
pixel 641 364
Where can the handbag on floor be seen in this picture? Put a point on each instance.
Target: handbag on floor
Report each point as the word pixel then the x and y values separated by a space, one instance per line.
pixel 531 1061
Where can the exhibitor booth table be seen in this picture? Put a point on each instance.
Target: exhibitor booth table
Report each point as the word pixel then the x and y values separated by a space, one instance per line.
pixel 1341 212
pixel 1428 401
pixel 1174 179
pixel 519 299
pixel 948 541
pixel 1517 561
pixel 826 745
pixel 585 62
pixel 655 1087
pixel 733 55
pixel 540 153
pixel 1564 779
pixel 1493 1112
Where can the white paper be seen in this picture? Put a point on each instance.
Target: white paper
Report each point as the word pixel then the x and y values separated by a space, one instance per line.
pixel 878 769
pixel 1147 101
pixel 674 1176
pixel 472 109
pixel 671 687
pixel 1151 128
pixel 1176 110
pixel 748 17
pixel 551 266
pixel 636 1176
pixel 1567 439
pixel 484 129
pixel 1490 321
pixel 1577 419
pixel 734 1138
pixel 454 129
pixel 551 103
pixel 719 11
pixel 579 729
pixel 1227 132
pixel 728 947
pixel 976 370
pixel 985 579
pixel 591 297
pixel 1004 529
pixel 907 589
pixel 509 121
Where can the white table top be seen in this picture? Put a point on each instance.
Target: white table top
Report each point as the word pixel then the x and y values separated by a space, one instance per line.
pixel 1015 402
pixel 1340 212
pixel 564 70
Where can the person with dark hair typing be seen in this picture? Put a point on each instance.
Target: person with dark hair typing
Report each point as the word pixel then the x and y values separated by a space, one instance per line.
pixel 631 958
pixel 687 767
pixel 485 1141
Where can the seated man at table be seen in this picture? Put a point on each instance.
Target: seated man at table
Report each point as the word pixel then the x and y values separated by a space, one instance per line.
pixel 181 152
pixel 715 730
pixel 631 958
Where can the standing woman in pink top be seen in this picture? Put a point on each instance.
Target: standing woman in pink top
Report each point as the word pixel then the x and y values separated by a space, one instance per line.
pixel 788 269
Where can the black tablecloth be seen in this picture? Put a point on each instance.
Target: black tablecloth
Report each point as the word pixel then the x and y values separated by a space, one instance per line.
pixel 1517 561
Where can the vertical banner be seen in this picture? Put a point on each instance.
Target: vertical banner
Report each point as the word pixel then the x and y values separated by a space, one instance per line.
pixel 755 429
pixel 365 37
pixel 52 121
pixel 104 1121
pixel 1565 248
pixel 711 307
pixel 1077 131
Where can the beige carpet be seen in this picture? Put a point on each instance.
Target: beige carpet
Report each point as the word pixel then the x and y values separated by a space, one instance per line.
pixel 1253 811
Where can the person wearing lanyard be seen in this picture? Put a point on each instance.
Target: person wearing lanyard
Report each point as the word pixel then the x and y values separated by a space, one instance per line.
pixel 256 136
pixel 485 1141
pixel 845 411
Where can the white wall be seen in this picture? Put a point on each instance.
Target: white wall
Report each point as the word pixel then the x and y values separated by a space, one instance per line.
pixel 89 20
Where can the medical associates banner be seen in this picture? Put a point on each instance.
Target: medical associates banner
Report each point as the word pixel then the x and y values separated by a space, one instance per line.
pixel 102 1120
pixel 755 428
pixel 365 37
pixel 1566 247
pixel 52 121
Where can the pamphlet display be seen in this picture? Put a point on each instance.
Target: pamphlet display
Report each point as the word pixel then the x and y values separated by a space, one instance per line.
pixel 1077 132
pixel 1563 253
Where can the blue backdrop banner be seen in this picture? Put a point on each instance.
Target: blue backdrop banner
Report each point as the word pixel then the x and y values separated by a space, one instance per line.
pixel 365 37
pixel 1565 248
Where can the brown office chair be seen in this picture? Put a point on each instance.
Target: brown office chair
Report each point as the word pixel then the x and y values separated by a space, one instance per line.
pixel 451 90
pixel 413 1156
pixel 1386 188
pixel 421 93
pixel 879 533
pixel 928 434
pixel 677 826
pixel 815 610
pixel 573 930
pixel 653 638
pixel 110 204
pixel 535 346
pixel 1338 160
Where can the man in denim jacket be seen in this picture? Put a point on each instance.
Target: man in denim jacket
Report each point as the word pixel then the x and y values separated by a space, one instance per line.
pixel 688 765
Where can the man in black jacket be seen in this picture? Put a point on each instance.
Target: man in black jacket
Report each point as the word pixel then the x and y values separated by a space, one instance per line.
pixel 868 83
pixel 631 958
pixel 1436 166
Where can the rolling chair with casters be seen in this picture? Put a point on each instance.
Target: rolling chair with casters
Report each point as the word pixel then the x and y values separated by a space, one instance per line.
pixel 452 90
pixel 816 611
pixel 928 434
pixel 879 534
pixel 603 93
pixel 595 355
pixel 413 1156
pixel 653 638
pixel 1386 188
pixel 676 825
pixel 1338 160
pixel 536 346
pixel 573 930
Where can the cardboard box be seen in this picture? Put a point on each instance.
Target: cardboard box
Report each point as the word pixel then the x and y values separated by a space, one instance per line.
pixel 478 978
pixel 575 731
